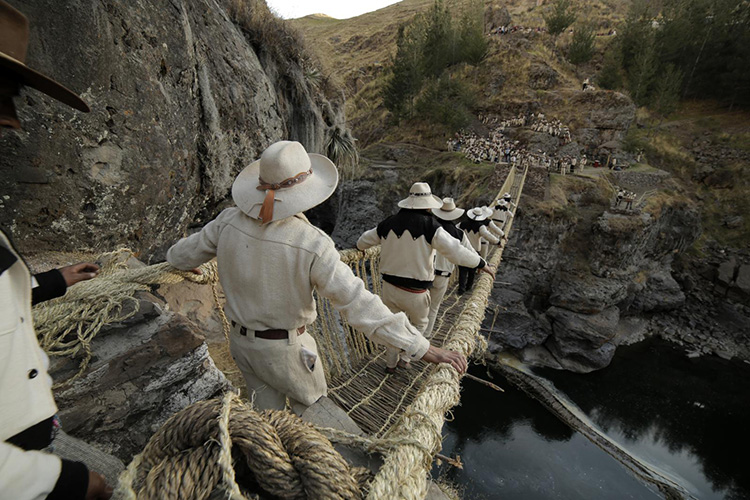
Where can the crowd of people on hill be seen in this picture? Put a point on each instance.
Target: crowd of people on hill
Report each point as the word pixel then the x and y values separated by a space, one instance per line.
pixel 507 29
pixel 497 148
pixel 504 30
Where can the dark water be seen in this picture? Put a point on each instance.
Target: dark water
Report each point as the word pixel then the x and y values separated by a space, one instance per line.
pixel 689 417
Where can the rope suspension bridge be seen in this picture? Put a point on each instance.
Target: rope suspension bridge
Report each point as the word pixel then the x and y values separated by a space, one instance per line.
pixel 198 450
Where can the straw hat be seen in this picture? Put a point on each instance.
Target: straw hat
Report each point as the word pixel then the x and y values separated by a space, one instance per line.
pixel 420 196
pixel 501 203
pixel 448 211
pixel 14 40
pixel 285 181
pixel 478 213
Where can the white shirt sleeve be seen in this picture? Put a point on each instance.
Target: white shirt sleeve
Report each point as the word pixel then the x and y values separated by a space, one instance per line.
pixel 197 248
pixel 368 239
pixel 362 309
pixel 452 249
pixel 487 235
pixel 27 475
pixel 496 230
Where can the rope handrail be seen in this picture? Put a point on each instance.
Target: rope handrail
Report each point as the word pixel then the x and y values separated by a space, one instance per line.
pixel 405 470
pixel 67 325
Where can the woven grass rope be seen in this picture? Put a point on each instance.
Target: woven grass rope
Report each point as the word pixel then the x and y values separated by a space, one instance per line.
pixel 223 447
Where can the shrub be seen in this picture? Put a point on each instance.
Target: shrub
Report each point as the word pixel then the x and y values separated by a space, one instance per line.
pixel 560 18
pixel 447 101
pixel 582 47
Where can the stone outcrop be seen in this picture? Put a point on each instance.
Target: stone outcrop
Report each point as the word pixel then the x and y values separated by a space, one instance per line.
pixel 574 288
pixel 583 342
pixel 495 16
pixel 181 102
pixel 601 116
pixel 144 370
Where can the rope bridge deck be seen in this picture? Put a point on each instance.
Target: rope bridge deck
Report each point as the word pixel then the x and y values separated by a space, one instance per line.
pixel 406 408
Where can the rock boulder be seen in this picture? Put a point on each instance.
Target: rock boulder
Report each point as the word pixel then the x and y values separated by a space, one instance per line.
pixel 180 101
pixel 583 342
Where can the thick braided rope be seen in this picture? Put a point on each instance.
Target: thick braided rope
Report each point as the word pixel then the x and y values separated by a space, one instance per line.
pixel 191 457
pixel 66 326
pixel 404 472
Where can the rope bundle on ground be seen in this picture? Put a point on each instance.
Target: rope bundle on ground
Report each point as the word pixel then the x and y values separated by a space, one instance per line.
pixel 66 326
pixel 225 446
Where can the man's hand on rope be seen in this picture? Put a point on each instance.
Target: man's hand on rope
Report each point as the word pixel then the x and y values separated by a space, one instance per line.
pixel 79 272
pixel 98 488
pixel 488 270
pixel 437 355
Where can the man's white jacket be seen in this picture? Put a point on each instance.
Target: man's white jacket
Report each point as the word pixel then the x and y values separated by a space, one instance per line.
pixel 25 389
pixel 477 231
pixel 268 273
pixel 409 241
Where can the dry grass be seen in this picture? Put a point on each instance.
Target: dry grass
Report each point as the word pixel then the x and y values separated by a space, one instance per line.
pixel 223 360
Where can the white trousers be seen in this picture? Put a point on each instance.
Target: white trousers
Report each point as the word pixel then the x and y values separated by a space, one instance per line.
pixel 416 306
pixel 437 292
pixel 275 370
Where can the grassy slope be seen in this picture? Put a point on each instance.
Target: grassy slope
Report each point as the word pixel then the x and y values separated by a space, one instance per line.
pixel 356 51
pixel 709 127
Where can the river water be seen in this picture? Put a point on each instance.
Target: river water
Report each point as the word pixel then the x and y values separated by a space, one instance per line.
pixel 688 417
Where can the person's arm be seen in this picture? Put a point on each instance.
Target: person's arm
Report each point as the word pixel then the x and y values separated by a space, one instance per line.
pixel 36 475
pixel 54 283
pixel 362 309
pixel 453 250
pixel 487 235
pixel 47 286
pixel 368 239
pixel 198 248
pixel 496 230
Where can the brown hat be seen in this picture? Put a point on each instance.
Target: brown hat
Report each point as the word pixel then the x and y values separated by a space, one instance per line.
pixel 14 40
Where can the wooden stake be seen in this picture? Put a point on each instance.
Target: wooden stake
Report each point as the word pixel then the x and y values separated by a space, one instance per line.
pixel 455 462
pixel 485 382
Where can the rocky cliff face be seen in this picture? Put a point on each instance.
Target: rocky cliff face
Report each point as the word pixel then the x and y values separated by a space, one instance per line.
pixel 572 288
pixel 180 101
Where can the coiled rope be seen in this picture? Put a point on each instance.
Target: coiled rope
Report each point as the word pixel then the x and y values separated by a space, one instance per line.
pixel 224 446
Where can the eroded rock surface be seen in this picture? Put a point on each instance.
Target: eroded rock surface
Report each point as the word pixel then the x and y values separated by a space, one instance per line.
pixel 143 372
pixel 180 101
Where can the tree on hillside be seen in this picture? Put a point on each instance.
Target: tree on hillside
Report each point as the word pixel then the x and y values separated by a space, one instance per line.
pixel 581 49
pixel 642 70
pixel 440 41
pixel 666 94
pixel 610 76
pixel 474 44
pixel 428 47
pixel 560 17
pixel 407 71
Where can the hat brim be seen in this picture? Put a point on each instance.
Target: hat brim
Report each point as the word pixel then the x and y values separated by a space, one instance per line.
pixel 473 216
pixel 315 189
pixel 421 202
pixel 42 83
pixel 448 215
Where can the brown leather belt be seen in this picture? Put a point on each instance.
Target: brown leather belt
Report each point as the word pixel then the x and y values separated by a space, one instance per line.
pixel 274 334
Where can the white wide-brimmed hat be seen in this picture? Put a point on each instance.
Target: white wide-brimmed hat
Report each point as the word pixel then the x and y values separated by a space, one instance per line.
pixel 448 211
pixel 502 203
pixel 507 195
pixel 420 196
pixel 478 213
pixel 286 180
